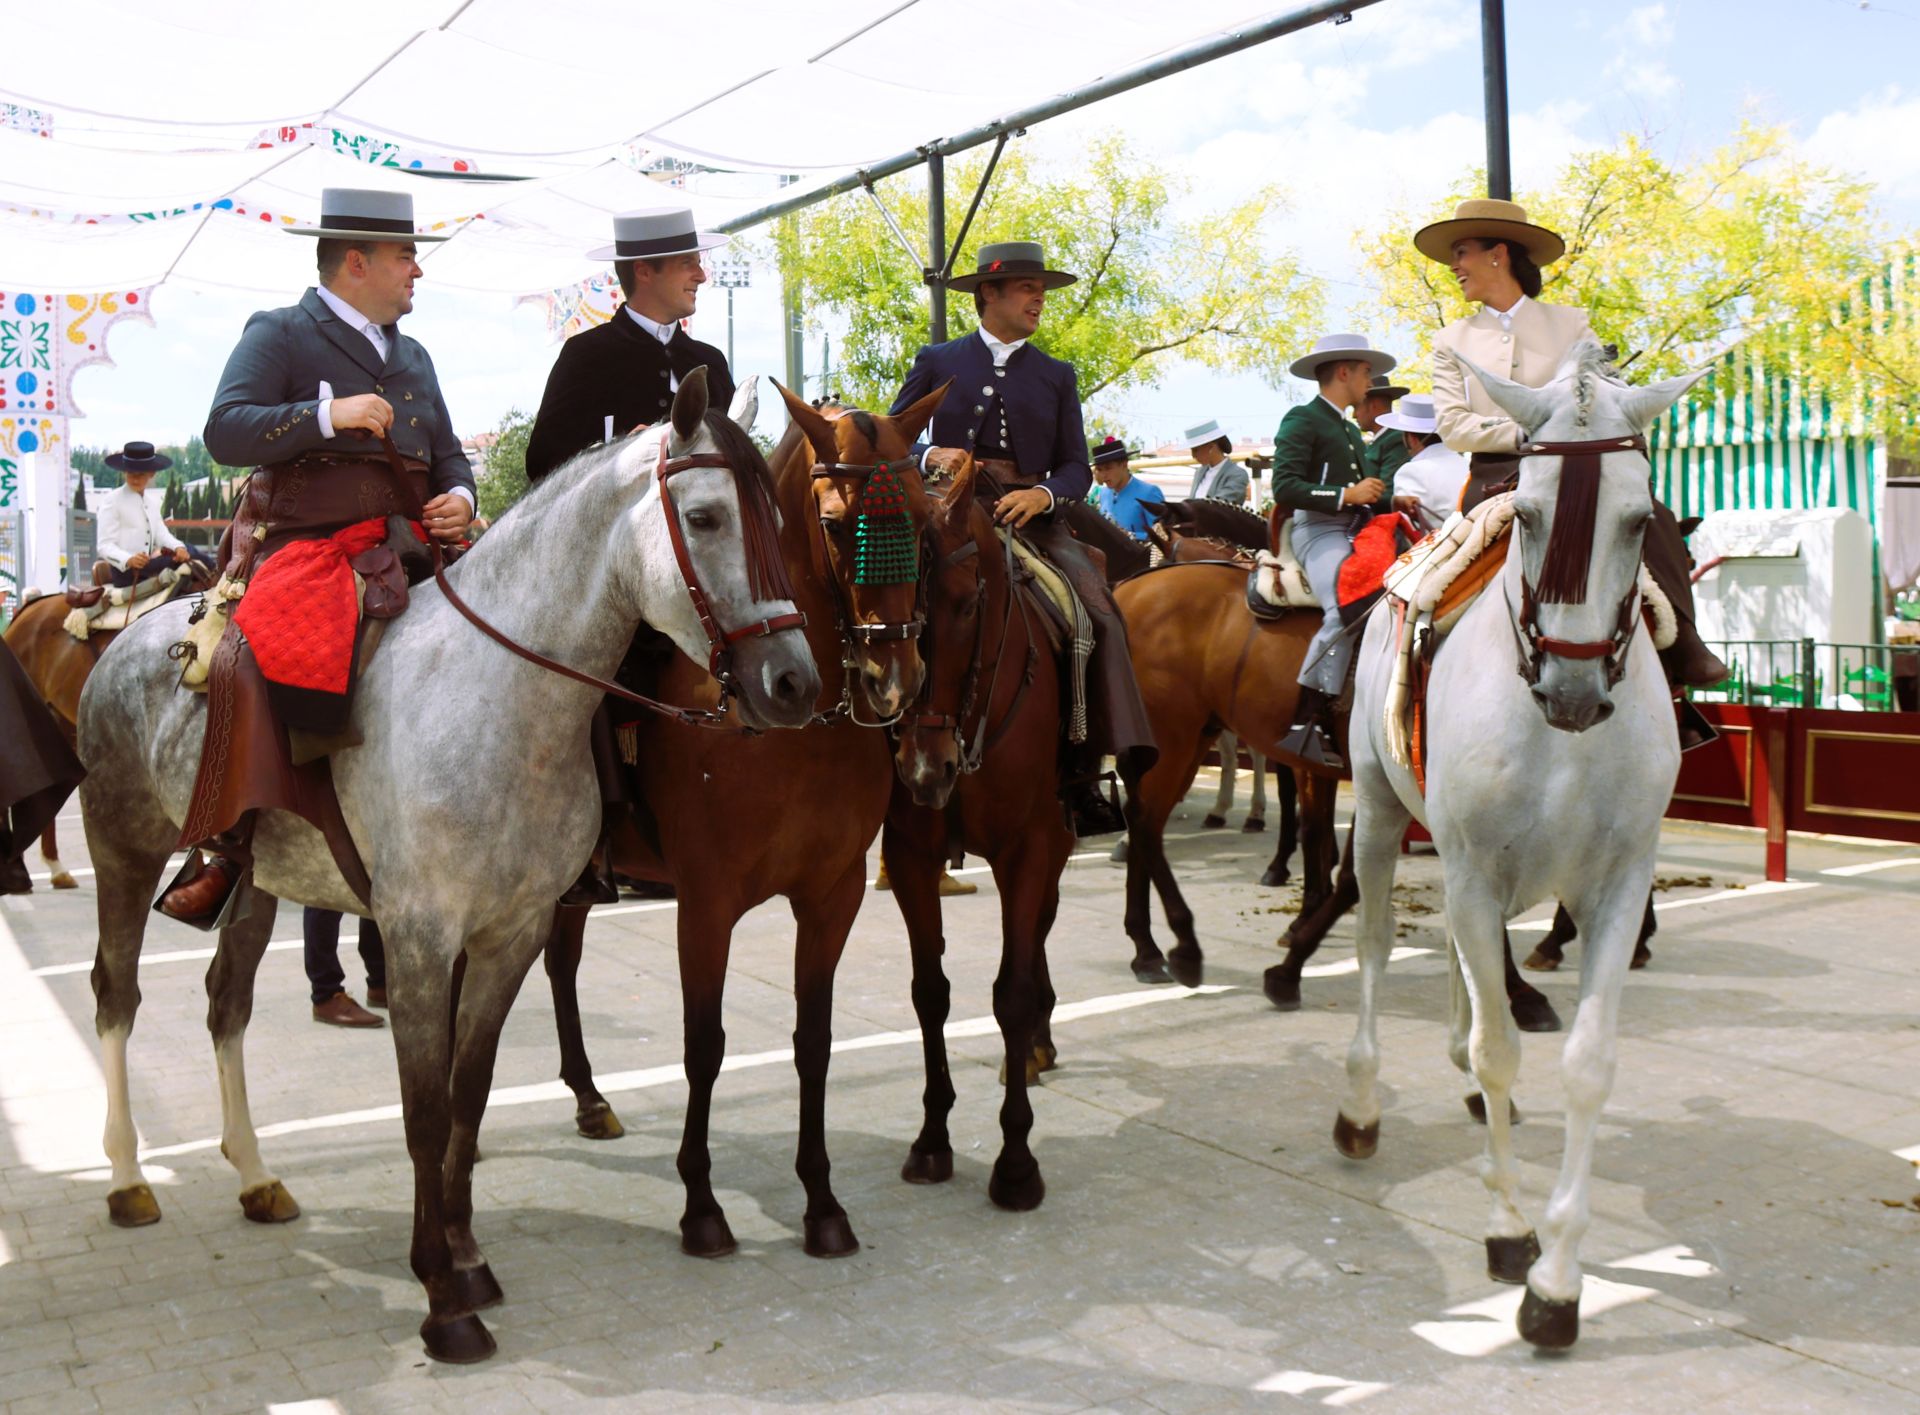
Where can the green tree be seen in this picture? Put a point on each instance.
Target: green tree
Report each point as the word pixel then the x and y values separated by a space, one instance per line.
pixel 1675 262
pixel 1151 288
pixel 503 473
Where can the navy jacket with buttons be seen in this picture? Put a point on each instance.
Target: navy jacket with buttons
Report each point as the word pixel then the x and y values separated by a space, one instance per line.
pixel 268 406
pixel 1048 439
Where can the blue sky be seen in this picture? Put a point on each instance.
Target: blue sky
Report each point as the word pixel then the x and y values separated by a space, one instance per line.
pixel 1355 120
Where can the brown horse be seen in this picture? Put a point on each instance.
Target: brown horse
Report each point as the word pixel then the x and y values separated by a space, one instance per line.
pixel 978 758
pixel 732 823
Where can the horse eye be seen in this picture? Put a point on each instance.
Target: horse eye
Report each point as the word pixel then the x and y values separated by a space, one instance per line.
pixel 702 520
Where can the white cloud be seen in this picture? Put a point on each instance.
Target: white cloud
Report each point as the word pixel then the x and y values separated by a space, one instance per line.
pixel 1649 26
pixel 1875 139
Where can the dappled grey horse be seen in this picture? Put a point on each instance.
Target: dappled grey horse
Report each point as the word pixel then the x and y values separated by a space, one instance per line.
pixel 470 796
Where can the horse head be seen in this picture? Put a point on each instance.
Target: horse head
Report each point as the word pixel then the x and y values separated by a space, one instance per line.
pixel 928 740
pixel 1580 515
pixel 872 508
pixel 709 567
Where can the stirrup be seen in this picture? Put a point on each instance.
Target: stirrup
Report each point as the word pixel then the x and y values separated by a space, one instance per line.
pixel 1092 812
pixel 1313 744
pixel 232 906
pixel 1695 730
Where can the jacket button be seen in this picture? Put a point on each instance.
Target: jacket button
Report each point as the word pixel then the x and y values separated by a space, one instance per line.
pixel 977 409
pixel 378 389
pixel 1506 338
pixel 413 422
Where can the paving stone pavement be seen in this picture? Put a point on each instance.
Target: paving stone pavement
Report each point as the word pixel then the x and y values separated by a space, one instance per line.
pixel 1202 1246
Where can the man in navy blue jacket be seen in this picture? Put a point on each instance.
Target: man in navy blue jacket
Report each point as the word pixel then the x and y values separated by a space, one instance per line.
pixel 1016 410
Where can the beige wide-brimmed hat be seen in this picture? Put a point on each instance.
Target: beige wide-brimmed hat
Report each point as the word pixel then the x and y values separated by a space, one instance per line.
pixel 1331 348
pixel 1489 219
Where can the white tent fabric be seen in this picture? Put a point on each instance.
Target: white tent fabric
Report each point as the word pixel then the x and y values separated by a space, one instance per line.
pixel 143 181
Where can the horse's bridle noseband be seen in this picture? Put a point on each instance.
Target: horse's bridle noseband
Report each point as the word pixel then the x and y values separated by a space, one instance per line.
pixel 1535 647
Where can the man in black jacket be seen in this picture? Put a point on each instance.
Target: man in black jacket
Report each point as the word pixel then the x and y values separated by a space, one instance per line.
pixel 623 374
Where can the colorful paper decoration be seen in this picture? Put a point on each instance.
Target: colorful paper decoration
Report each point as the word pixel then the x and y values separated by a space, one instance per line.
pixel 45 339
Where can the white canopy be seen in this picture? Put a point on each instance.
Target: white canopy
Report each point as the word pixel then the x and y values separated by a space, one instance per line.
pixel 155 167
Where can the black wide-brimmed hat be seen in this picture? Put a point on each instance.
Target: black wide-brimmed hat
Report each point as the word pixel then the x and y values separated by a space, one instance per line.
pixel 1011 260
pixel 650 235
pixel 1384 387
pixel 362 214
pixel 1112 450
pixel 138 457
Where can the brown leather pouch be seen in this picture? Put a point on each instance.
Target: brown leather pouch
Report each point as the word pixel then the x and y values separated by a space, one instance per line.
pixel 383 582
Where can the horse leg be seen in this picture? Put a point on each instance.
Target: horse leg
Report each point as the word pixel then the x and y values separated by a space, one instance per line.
pixel 823 925
pixel 1493 1051
pixel 1550 1312
pixel 705 942
pixel 230 979
pixel 1046 1056
pixel 1146 829
pixel 420 994
pixel 911 844
pixel 1643 955
pixel 488 986
pixel 1281 982
pixel 1184 964
pixel 50 853
pixel 1185 960
pixel 1530 1006
pixel 1257 805
pixel 1551 951
pixel 1229 748
pixel 1283 848
pixel 1372 855
pixel 592 1116
pixel 1319 852
pixel 1025 888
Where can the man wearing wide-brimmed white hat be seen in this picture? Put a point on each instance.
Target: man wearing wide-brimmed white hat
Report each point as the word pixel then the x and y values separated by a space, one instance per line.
pixel 1320 475
pixel 1427 485
pixel 1215 476
pixel 623 374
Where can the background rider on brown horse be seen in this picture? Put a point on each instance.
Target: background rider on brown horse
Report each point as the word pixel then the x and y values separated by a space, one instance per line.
pixel 133 540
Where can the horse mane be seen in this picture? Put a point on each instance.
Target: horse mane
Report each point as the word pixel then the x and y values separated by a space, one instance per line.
pixel 1088 526
pixel 1218 520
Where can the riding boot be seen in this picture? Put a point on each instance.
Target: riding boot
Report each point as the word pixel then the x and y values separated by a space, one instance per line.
pixel 1093 814
pixel 595 885
pixel 1689 661
pixel 205 897
pixel 1312 736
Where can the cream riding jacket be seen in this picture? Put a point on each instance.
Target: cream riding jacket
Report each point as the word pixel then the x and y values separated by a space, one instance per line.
pixel 1529 352
pixel 130 525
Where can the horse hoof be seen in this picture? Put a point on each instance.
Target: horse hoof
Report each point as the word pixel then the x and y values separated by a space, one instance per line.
pixel 269 1203
pixel 1016 1195
pixel 1641 957
pixel 459 1341
pixel 1213 822
pixel 1282 990
pixel 830 1237
pixel 1187 967
pixel 1252 825
pixel 1356 1142
pixel 476 1288
pixel 1509 1258
pixel 1533 1013
pixel 133 1207
pixel 1275 878
pixel 1477 1108
pixel 598 1122
pixel 1046 1057
pixel 924 1168
pixel 1547 1324
pixel 706 1236
pixel 63 880
pixel 1541 961
pixel 1151 970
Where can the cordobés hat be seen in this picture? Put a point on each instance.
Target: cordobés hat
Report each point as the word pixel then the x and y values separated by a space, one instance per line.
pixel 360 214
pixel 1415 414
pixel 663 231
pixel 1383 387
pixel 1489 219
pixel 1011 260
pixel 1208 431
pixel 138 457
pixel 1334 348
pixel 1112 450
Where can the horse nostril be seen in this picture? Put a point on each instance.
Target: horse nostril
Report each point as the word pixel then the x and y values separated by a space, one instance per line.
pixel 787 686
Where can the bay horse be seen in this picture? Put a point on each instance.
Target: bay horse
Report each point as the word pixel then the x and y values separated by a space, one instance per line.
pixel 734 823
pixel 472 809
pixel 1545 783
pixel 978 760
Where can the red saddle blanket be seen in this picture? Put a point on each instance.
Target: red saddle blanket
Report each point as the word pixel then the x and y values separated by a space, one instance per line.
pixel 301 613
pixel 1378 545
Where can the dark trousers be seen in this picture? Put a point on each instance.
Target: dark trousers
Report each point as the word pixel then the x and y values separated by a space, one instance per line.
pixel 161 560
pixel 321 927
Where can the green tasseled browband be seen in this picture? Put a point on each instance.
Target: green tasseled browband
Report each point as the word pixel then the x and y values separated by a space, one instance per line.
pixel 885 549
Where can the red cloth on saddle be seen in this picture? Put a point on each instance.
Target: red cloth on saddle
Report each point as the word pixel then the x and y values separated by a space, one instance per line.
pixel 300 613
pixel 1374 550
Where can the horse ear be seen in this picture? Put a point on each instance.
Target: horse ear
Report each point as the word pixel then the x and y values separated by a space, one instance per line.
pixel 1642 405
pixel 1689 524
pixel 689 408
pixel 807 418
pixel 745 411
pixel 1530 407
pixel 956 507
pixel 912 420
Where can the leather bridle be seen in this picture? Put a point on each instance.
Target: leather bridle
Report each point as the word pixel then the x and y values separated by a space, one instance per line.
pixel 854 634
pixel 1534 647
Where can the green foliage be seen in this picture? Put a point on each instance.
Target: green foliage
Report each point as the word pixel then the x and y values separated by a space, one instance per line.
pixel 1151 286
pixel 503 473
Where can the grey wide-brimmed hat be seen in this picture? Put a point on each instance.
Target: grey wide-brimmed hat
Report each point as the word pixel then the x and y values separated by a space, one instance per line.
pixel 1416 413
pixel 361 214
pixel 1011 260
pixel 1489 219
pixel 664 231
pixel 1335 348
pixel 138 457
pixel 1208 431
pixel 1384 387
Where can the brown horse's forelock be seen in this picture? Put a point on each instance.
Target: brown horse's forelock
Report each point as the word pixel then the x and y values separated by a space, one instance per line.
pixel 1569 556
pixel 767 577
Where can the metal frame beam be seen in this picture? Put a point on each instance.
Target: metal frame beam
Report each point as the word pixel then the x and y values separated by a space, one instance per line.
pixel 1493 60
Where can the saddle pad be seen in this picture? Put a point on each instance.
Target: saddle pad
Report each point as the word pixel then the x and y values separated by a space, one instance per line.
pixel 1279 579
pixel 302 610
pixel 125 604
pixel 1379 544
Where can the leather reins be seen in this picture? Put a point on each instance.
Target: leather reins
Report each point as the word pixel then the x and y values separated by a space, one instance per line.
pixel 1534 647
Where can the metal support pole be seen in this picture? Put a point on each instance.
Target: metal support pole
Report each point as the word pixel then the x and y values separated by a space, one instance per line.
pixel 936 273
pixel 729 326
pixel 1493 59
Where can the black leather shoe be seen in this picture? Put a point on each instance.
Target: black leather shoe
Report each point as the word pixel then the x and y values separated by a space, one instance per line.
pixel 591 888
pixel 1094 814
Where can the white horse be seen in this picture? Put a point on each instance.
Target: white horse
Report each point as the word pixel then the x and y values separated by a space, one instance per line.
pixel 470 797
pixel 1548 782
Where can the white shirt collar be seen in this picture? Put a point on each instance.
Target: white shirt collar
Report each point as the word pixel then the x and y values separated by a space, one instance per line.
pixel 353 319
pixel 662 332
pixel 1333 405
pixel 1506 316
pixel 1000 350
